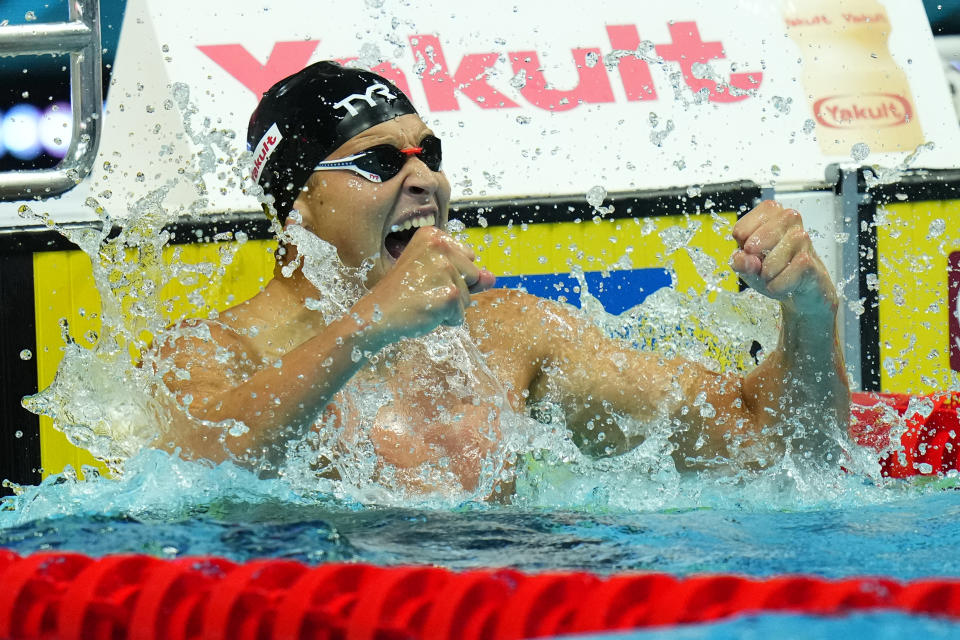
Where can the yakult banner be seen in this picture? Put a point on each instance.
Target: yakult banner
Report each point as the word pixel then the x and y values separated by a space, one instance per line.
pixel 538 97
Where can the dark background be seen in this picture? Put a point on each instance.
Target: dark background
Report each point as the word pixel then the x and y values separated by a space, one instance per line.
pixel 45 78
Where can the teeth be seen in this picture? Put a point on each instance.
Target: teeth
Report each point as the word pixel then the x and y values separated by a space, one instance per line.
pixel 415 223
pixel 425 221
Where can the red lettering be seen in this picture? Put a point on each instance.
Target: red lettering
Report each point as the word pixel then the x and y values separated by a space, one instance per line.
pixel 593 85
pixel 805 22
pixel 470 78
pixel 857 18
pixel 285 59
pixel 874 109
pixel 262 156
pixel 634 72
pixel 688 49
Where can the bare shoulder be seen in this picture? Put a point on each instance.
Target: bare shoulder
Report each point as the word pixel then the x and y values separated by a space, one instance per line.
pixel 500 321
pixel 522 333
pixel 519 315
pixel 505 315
pixel 522 307
pixel 499 303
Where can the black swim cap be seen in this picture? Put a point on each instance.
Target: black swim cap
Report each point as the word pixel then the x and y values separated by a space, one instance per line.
pixel 304 117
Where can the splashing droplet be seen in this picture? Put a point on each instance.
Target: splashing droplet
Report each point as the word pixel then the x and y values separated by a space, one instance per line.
pixel 596 195
pixel 859 152
pixel 781 104
pixel 936 229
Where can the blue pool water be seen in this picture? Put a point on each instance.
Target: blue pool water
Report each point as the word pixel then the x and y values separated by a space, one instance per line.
pixel 912 538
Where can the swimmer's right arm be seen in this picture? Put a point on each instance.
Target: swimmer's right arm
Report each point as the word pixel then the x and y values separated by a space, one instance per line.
pixel 274 403
pixel 430 285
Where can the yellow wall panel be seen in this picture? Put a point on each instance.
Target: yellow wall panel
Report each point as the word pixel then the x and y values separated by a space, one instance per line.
pixel 595 245
pixel 64 289
pixel 914 240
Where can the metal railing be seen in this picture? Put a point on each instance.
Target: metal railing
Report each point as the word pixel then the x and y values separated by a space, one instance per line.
pixel 80 37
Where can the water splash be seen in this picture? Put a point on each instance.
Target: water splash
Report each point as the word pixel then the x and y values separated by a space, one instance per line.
pixel 859 151
pixel 877 175
pixel 150 485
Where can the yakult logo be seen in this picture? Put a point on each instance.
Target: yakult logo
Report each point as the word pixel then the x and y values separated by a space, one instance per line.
pixel 871 110
pixel 366 97
pixel 264 149
pixel 452 82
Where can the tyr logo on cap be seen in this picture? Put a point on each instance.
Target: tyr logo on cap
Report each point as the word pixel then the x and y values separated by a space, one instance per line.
pixel 367 96
pixel 264 149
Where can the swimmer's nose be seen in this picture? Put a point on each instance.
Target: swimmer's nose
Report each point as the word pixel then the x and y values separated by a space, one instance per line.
pixel 419 180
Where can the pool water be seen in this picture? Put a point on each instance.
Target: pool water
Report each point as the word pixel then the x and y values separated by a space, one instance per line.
pixel 906 539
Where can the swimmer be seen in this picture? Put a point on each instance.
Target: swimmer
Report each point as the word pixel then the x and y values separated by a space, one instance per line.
pixel 345 155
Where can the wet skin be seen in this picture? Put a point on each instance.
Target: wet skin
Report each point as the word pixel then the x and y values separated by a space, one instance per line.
pixel 536 348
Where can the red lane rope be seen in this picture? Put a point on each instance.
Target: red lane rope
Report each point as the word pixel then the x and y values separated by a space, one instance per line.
pixel 929 446
pixel 70 596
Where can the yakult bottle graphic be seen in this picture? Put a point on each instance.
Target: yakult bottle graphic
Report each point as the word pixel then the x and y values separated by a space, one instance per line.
pixel 856 91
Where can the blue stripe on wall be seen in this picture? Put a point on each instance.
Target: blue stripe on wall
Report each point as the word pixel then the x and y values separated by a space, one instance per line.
pixel 617 291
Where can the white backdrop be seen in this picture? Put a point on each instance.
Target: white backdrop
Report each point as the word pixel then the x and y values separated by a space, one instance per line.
pixel 504 135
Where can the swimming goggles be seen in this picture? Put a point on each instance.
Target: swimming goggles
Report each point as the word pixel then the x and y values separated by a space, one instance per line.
pixel 384 161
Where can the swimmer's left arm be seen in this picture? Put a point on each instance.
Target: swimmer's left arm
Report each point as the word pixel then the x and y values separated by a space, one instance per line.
pixel 713 415
pixel 799 394
pixel 804 377
pixel 708 417
pixel 599 382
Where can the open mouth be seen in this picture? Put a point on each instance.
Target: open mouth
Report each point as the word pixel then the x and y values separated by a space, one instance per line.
pixel 401 234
